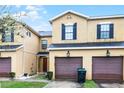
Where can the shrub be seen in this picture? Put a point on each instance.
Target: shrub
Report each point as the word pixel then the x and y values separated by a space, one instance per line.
pixel 12 75
pixel 25 74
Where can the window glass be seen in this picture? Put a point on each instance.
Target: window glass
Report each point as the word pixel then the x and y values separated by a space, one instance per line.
pixel 69 32
pixel 44 44
pixel 105 31
pixel 7 36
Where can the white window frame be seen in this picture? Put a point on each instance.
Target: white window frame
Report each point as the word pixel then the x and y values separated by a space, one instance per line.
pixel 105 31
pixel 8 36
pixel 44 44
pixel 68 32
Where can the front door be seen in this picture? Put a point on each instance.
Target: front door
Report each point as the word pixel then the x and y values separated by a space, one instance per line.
pixel 44 64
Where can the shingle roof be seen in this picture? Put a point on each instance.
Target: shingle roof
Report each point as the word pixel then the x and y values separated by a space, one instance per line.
pixel 9 47
pixel 88 45
pixel 45 33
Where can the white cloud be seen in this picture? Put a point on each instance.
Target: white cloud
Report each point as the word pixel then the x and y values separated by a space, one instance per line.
pixel 44 12
pixel 18 6
pixel 32 8
pixel 33 15
pixel 21 14
pixel 43 27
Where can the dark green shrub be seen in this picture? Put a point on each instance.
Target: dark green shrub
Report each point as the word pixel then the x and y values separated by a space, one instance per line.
pixel 12 75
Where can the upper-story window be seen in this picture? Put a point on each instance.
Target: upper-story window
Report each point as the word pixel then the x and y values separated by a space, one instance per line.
pixel 28 34
pixel 104 31
pixel 8 36
pixel 69 32
pixel 44 44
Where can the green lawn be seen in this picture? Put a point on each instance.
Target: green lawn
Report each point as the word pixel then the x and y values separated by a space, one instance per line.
pixel 19 84
pixel 89 84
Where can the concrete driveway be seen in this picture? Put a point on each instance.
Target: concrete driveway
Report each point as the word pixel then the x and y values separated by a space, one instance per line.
pixel 111 85
pixel 63 84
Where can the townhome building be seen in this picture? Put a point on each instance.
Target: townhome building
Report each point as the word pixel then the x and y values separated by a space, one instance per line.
pixel 76 41
pixel 93 43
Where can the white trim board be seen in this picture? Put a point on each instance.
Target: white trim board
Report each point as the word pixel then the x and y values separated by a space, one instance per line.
pixel 85 16
pixel 78 48
pixel 11 50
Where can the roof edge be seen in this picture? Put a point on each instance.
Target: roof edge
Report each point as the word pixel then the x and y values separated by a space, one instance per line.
pixel 85 16
pixel 11 50
pixel 68 11
pixel 78 48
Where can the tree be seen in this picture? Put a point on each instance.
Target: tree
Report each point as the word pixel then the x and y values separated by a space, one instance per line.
pixel 7 23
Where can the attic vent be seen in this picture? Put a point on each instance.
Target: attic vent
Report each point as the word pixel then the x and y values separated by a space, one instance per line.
pixel 69 17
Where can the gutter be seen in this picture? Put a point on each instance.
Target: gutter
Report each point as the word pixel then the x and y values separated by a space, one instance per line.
pixel 11 50
pixel 87 48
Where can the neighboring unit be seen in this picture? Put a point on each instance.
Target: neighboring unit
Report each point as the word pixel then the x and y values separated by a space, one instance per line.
pixel 94 43
pixel 18 51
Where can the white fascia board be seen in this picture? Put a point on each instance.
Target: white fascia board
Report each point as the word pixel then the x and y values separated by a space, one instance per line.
pixel 68 11
pixel 20 47
pixel 102 17
pixel 10 50
pixel 105 23
pixel 7 50
pixel 73 48
pixel 82 15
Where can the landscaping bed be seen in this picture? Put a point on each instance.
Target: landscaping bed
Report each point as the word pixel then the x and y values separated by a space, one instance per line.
pixel 89 84
pixel 20 84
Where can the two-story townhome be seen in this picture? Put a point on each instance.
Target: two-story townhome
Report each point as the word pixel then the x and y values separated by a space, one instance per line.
pixel 18 51
pixel 94 43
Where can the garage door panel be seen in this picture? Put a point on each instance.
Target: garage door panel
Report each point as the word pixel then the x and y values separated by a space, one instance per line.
pixel 5 67
pixel 66 68
pixel 106 69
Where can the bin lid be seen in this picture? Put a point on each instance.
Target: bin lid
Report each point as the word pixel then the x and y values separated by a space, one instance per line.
pixel 81 69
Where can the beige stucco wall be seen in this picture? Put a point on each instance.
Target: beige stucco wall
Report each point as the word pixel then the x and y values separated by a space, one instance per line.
pixel 87 58
pixel 13 59
pixel 31 48
pixel 16 61
pixel 81 27
pixel 118 30
pixel 86 29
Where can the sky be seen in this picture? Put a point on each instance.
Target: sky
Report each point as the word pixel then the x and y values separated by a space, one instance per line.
pixel 38 16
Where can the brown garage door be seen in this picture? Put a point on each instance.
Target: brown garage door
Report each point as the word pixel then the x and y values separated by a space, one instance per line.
pixel 107 69
pixel 66 67
pixel 5 67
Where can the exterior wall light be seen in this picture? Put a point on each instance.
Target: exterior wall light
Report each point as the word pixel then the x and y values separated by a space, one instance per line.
pixel 68 54
pixel 108 53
